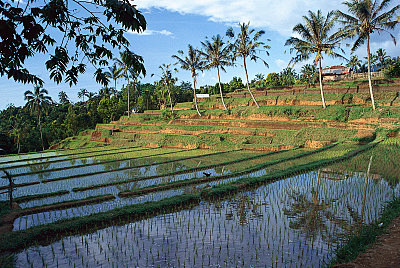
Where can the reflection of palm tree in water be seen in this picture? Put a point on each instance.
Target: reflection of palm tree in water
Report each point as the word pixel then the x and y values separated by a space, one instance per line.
pixel 245 206
pixel 358 220
pixel 310 216
pixel 39 167
pixel 129 174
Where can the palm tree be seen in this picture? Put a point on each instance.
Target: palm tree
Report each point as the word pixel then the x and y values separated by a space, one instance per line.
pixel 191 62
pixel 307 74
pixel 247 45
pixel 316 39
pixel 82 94
pixel 130 63
pixel 366 17
pixel 381 57
pixel 259 80
pixel 167 80
pixel 114 73
pixel 37 101
pixel 105 92
pixel 217 56
pixel 19 128
pixel 354 63
pixel 63 97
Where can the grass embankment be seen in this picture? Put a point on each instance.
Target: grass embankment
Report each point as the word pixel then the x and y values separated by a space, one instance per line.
pixel 365 237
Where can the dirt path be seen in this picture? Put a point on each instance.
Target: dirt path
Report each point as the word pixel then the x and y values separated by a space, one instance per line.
pixel 385 252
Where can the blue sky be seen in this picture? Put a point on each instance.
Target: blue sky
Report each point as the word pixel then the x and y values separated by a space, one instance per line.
pixel 172 25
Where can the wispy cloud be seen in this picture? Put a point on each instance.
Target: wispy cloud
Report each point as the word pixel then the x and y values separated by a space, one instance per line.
pixel 153 32
pixel 274 15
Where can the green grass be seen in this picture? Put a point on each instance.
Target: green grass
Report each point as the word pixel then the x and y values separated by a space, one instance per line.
pixel 367 235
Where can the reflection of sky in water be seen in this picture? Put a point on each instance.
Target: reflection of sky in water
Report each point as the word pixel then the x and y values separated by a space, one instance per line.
pixel 253 229
pixel 151 170
pixel 78 169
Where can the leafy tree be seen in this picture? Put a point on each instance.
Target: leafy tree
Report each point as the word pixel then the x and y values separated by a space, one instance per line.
pixel 316 39
pixel 246 45
pixel 63 97
pixel 37 102
pixel 354 64
pixel 62 26
pixel 364 18
pixel 288 77
pixel 193 63
pixel 217 56
pixel 235 83
pixel 131 66
pixel 273 80
pixel 147 98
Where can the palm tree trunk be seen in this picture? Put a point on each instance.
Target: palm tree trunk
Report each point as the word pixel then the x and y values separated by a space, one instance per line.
pixel 248 85
pixel 115 87
pixel 40 128
pixel 369 74
pixel 220 90
pixel 170 100
pixel 18 144
pixel 195 97
pixel 127 87
pixel 320 84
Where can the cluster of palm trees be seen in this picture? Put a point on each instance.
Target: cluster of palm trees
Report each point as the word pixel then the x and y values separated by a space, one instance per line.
pixel 318 35
pixel 380 59
pixel 217 54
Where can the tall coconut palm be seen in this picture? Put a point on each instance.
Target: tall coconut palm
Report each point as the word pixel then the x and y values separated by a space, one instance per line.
pixel 193 63
pixel 63 97
pixel 245 45
pixel 217 56
pixel 37 102
pixel 167 80
pixel 364 18
pixel 316 40
pixel 130 63
pixel 354 63
pixel 82 94
pixel 114 73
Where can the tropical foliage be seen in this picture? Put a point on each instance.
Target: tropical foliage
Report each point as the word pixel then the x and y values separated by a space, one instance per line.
pixel 365 17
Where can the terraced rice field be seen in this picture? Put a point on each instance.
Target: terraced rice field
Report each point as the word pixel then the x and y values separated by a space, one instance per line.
pixel 297 218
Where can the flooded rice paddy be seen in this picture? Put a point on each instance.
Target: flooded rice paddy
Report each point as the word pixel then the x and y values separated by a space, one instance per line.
pixel 295 222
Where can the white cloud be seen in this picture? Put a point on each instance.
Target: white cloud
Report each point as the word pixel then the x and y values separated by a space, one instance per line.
pixel 153 32
pixel 281 63
pixel 274 15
